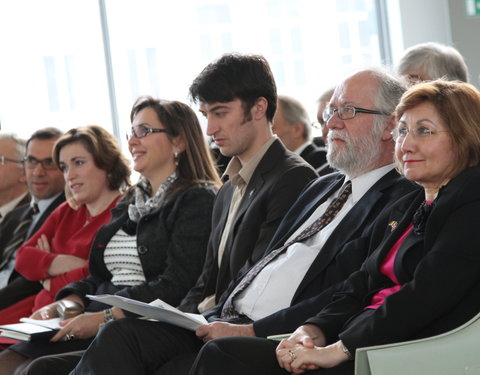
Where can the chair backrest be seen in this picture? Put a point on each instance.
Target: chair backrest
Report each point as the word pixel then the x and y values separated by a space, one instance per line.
pixel 445 354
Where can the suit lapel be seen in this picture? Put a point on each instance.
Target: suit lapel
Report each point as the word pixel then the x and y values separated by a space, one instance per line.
pixel 227 200
pixel 253 189
pixel 398 222
pixel 349 225
pixel 307 210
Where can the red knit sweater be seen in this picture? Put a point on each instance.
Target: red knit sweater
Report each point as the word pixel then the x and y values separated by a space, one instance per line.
pixel 68 232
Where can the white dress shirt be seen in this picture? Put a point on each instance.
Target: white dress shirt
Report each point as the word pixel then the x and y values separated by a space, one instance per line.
pixel 275 286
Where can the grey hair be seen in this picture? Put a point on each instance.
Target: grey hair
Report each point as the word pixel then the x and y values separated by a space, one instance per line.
pixel 293 111
pixel 390 89
pixel 326 96
pixel 20 144
pixel 435 59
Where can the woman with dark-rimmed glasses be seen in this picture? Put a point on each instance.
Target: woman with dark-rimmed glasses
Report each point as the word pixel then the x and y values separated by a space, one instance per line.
pixel 155 245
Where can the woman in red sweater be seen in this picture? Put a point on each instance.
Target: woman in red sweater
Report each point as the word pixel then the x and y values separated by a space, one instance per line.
pixel 95 171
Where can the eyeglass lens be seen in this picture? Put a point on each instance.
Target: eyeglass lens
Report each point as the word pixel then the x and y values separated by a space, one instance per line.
pixel 32 162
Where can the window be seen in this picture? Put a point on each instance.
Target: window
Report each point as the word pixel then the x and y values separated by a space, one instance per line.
pixel 53 69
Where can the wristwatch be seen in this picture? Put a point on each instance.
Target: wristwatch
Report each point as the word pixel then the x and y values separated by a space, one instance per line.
pixel 108 315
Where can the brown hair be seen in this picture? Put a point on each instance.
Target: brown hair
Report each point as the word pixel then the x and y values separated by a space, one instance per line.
pixel 105 150
pixel 458 105
pixel 195 163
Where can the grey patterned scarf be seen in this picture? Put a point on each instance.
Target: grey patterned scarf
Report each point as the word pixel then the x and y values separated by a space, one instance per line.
pixel 144 203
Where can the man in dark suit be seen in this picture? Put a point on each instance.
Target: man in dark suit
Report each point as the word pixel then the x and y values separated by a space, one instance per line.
pixel 361 147
pixel 263 177
pixel 292 125
pixel 13 190
pixel 45 184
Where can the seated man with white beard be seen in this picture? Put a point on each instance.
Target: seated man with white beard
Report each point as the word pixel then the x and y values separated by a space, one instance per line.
pixel 322 240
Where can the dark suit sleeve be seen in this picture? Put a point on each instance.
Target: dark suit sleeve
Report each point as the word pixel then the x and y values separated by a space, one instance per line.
pixel 194 296
pixel 9 224
pixel 205 283
pixel 289 319
pixel 444 280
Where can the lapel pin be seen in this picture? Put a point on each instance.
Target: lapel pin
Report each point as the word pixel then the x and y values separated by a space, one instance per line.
pixel 393 225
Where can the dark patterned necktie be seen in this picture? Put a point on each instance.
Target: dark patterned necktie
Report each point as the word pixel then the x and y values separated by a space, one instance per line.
pixel 18 236
pixel 228 310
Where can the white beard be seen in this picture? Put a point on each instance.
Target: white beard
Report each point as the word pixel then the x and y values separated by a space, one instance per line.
pixel 356 156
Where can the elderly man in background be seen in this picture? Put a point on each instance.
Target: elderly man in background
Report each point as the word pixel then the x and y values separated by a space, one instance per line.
pixel 429 61
pixel 292 125
pixel 13 190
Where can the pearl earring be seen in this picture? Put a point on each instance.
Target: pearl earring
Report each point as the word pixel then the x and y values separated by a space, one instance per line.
pixel 175 158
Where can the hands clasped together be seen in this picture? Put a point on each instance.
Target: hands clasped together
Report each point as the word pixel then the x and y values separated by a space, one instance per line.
pixel 305 350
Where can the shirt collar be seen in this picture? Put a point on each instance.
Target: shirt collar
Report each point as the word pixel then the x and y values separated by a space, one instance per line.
pixel 241 174
pixel 362 183
pixel 44 203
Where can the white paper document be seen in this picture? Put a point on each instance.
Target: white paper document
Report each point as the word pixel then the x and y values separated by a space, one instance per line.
pixel 157 310
pixel 48 323
pixel 30 329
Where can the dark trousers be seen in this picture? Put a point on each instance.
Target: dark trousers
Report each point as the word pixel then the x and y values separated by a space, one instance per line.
pixel 248 355
pixel 56 364
pixel 18 289
pixel 134 346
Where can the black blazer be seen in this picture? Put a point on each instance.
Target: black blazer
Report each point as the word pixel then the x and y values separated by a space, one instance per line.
pixel 342 254
pixel 171 243
pixel 314 155
pixel 14 217
pixel 11 220
pixel 439 273
pixel 278 179
pixel 18 287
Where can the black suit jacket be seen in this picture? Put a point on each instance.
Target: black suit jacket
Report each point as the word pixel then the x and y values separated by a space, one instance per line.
pixel 278 179
pixel 439 273
pixel 314 155
pixel 10 221
pixel 343 253
pixel 18 214
pixel 10 294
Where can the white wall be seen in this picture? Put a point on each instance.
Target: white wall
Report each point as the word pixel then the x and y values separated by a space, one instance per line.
pixel 466 37
pixel 442 21
pixel 417 21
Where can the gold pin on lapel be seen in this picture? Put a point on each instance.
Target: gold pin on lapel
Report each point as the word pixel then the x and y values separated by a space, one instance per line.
pixel 393 225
